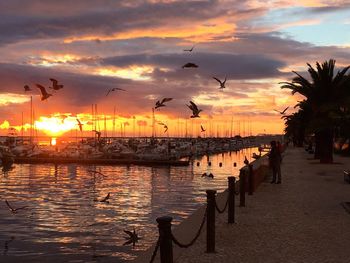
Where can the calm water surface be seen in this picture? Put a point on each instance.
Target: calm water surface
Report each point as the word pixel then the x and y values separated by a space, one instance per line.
pixel 64 223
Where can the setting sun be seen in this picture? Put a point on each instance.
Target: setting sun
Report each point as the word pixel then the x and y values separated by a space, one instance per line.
pixel 55 125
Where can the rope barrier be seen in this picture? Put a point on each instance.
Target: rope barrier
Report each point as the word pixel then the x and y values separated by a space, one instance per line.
pixel 196 236
pixel 218 209
pixel 155 251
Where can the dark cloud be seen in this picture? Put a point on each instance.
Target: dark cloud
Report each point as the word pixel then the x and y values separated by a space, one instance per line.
pixel 98 19
pixel 234 66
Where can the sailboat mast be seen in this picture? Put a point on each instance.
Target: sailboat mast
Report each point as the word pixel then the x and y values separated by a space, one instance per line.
pixel 22 128
pixel 31 119
pixel 113 122
pixel 153 123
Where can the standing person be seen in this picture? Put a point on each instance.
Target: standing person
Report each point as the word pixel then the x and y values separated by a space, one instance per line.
pixel 275 163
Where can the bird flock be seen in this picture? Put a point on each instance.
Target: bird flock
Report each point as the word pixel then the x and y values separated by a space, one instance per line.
pixel 44 94
pixel 55 86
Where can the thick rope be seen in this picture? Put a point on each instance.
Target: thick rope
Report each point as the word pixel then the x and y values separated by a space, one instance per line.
pixel 196 236
pixel 155 251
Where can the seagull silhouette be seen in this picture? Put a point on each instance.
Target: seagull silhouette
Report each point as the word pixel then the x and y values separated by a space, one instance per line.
pixel 55 85
pixel 282 112
pixel 208 175
pixel 106 198
pixel 161 103
pixel 80 125
pixel 14 210
pixel 44 94
pixel 222 83
pixel 132 238
pixel 190 65
pixel 246 162
pixel 202 129
pixel 114 89
pixel 194 109
pixel 189 50
pixel 164 125
pixel 27 88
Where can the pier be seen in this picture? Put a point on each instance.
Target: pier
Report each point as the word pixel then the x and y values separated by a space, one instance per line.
pixel 302 220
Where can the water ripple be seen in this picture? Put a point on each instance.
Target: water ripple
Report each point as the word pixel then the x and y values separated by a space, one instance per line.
pixel 65 223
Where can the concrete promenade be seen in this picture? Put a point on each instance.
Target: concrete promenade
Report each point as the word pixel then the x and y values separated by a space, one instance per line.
pixel 301 220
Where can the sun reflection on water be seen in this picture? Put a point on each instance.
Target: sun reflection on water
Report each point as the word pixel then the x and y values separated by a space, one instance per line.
pixel 64 215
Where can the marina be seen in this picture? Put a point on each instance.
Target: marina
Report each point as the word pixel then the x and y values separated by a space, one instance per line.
pixel 63 223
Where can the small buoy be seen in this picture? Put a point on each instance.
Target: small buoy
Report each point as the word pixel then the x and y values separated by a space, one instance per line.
pixel 220 164
pixel 234 164
pixel 209 163
pixel 210 175
pixel 197 163
pixel 204 174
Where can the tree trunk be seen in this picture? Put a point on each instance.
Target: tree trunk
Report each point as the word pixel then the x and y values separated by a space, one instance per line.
pixel 324 145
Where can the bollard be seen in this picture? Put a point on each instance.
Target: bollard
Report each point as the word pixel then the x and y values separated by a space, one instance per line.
pixel 209 163
pixel 210 221
pixel 166 243
pixel 234 164
pixel 231 199
pixel 250 180
pixel 220 164
pixel 197 163
pixel 242 188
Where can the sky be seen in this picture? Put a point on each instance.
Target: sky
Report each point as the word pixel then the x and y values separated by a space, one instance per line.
pixel 92 46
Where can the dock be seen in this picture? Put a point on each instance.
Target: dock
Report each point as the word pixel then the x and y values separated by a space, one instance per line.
pixel 41 160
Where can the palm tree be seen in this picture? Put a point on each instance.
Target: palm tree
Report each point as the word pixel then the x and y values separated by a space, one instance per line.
pixel 325 94
pixel 297 123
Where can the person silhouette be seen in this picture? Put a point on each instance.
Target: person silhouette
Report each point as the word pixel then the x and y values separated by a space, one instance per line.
pixel 275 163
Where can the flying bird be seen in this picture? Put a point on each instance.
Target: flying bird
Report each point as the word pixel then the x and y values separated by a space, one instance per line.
pixel 161 103
pixel 14 210
pixel 44 94
pixel 189 50
pixel 222 83
pixel 27 88
pixel 210 175
pixel 282 112
pixel 190 65
pixel 164 125
pixel 106 198
pixel 202 129
pixel 114 89
pixel 55 85
pixel 132 238
pixel 80 125
pixel 195 111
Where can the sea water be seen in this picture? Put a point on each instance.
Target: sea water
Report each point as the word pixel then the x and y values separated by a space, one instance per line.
pixel 66 222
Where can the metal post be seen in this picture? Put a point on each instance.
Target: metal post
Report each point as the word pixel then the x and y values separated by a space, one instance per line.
pixel 250 180
pixel 211 221
pixel 231 199
pixel 166 243
pixel 242 188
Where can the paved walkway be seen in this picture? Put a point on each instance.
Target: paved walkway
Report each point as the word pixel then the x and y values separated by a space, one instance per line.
pixel 301 220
